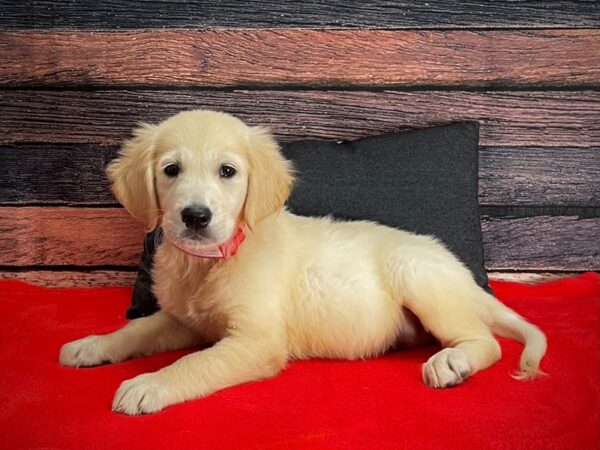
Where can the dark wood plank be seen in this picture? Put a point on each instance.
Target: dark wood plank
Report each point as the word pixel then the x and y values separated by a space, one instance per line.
pixel 542 243
pixel 106 278
pixel 73 278
pixel 540 118
pixel 539 176
pixel 106 236
pixel 55 173
pixel 74 173
pixel 327 58
pixel 319 13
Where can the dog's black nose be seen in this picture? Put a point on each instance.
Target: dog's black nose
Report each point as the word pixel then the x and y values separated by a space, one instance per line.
pixel 196 217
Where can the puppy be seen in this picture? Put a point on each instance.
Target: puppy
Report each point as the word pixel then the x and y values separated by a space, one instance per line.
pixel 263 286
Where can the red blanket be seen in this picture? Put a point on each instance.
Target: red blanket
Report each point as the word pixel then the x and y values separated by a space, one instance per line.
pixel 379 403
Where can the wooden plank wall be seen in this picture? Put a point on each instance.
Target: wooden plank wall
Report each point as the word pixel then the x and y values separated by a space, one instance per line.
pixel 76 76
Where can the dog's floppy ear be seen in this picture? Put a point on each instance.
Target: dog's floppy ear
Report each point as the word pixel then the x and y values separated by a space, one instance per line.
pixel 132 176
pixel 270 178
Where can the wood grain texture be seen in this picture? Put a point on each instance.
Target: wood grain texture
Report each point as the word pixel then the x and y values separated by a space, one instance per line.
pixel 528 277
pixel 539 176
pixel 107 278
pixel 542 243
pixel 73 278
pixel 105 236
pixel 74 174
pixel 68 236
pixel 55 173
pixel 536 118
pixel 316 13
pixel 360 58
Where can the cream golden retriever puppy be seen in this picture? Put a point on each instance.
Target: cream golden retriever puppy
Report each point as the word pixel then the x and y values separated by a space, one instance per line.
pixel 296 287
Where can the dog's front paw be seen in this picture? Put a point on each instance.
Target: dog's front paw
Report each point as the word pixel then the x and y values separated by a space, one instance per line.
pixel 144 394
pixel 446 368
pixel 86 352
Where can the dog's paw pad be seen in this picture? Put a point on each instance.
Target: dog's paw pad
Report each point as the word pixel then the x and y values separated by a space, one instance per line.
pixel 89 351
pixel 446 368
pixel 144 394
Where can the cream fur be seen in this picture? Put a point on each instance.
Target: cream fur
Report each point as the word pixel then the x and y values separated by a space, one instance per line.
pixel 298 288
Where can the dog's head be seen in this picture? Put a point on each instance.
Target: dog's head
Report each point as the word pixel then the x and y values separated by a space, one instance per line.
pixel 200 174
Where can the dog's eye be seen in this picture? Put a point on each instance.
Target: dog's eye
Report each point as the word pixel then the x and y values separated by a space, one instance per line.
pixel 172 170
pixel 227 171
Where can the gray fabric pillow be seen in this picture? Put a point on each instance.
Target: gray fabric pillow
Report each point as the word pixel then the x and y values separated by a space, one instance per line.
pixel 424 181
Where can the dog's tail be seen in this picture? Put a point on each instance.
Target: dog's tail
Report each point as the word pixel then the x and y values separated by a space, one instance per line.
pixel 504 322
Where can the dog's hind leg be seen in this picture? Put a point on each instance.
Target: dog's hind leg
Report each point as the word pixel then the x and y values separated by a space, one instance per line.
pixel 412 333
pixel 443 300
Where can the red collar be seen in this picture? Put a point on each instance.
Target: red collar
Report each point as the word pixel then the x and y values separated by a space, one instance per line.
pixel 223 251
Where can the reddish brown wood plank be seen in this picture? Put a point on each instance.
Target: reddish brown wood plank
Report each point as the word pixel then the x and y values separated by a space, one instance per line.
pixel 106 236
pixel 541 118
pixel 301 57
pixel 68 236
pixel 73 278
pixel 105 278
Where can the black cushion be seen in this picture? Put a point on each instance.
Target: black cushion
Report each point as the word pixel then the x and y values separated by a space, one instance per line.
pixel 424 181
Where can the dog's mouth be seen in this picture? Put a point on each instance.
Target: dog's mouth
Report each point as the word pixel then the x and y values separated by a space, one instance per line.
pixel 206 248
pixel 185 239
pixel 193 241
pixel 198 237
pixel 202 248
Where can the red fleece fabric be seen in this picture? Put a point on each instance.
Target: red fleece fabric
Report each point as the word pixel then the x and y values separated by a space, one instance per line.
pixel 379 403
